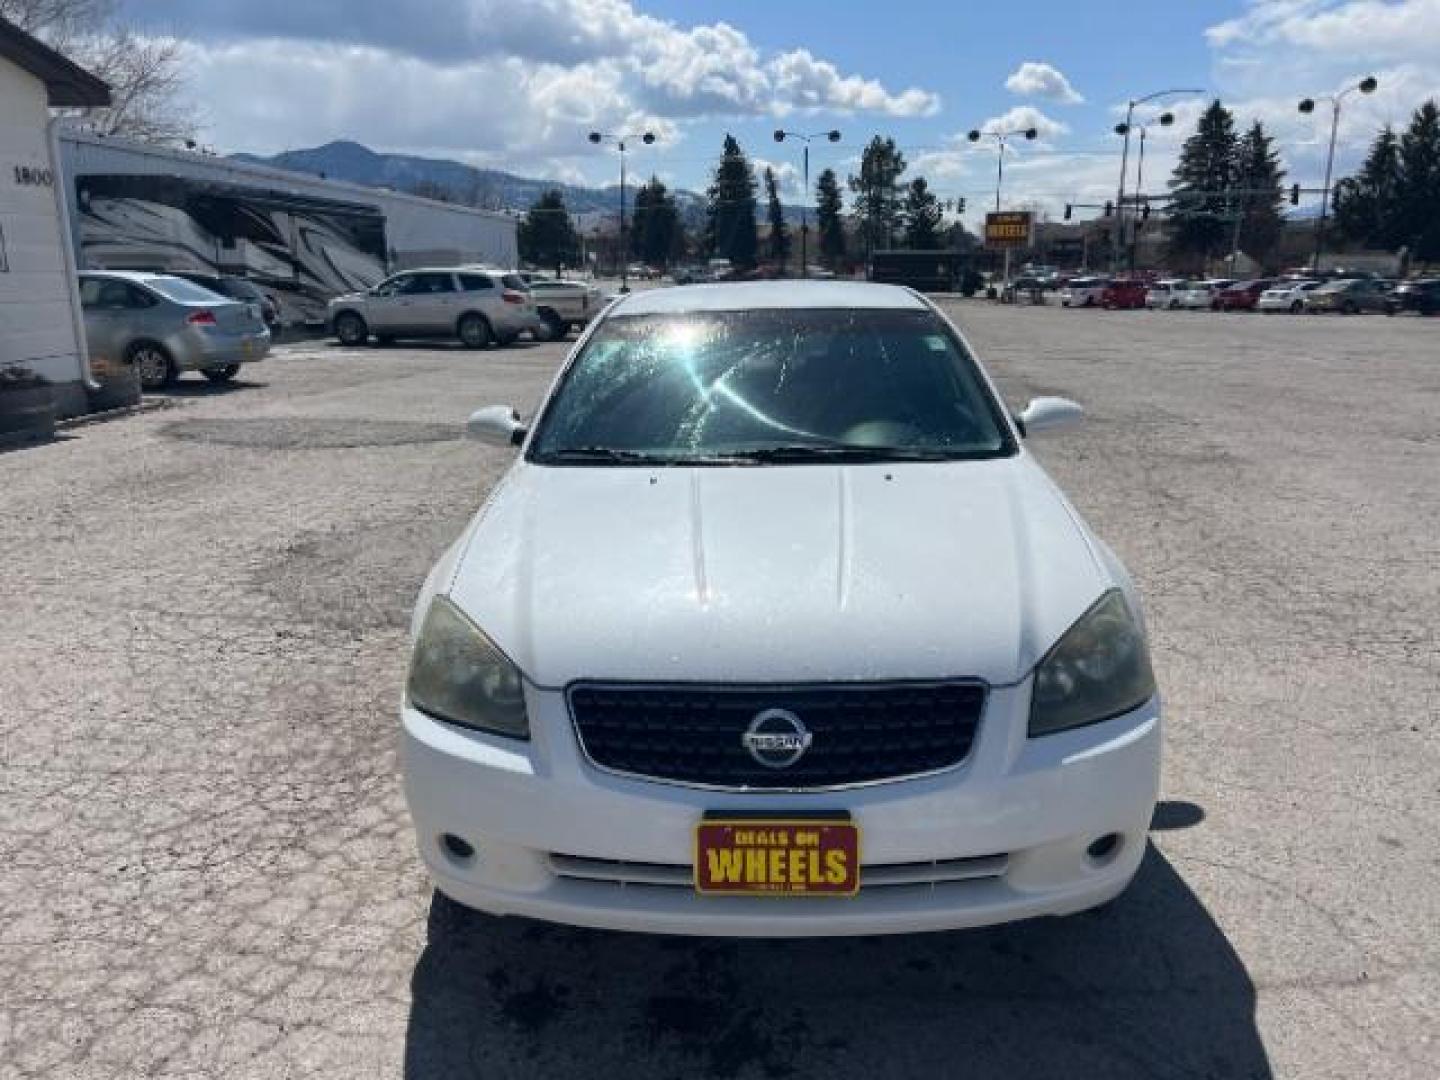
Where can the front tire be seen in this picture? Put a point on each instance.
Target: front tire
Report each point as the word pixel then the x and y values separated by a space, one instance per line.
pixel 1351 308
pixel 220 376
pixel 1296 307
pixel 552 327
pixel 152 364
pixel 351 329
pixel 473 331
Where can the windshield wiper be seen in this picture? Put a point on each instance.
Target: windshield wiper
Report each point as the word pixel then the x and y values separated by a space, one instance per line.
pixel 839 452
pixel 602 455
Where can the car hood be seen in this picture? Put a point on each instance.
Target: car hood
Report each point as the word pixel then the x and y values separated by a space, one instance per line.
pixel 777 574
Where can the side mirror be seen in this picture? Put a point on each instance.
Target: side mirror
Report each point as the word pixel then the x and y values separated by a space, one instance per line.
pixel 1048 414
pixel 495 425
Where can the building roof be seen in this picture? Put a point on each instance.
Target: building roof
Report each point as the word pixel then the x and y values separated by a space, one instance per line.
pixel 66 83
pixel 752 295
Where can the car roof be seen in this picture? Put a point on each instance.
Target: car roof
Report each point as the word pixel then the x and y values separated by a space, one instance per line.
pixel 768 295
pixel 140 277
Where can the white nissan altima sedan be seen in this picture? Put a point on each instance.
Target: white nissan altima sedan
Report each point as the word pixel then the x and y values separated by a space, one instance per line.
pixel 775 627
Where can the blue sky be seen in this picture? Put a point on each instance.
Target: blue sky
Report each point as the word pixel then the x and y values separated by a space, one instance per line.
pixel 517 83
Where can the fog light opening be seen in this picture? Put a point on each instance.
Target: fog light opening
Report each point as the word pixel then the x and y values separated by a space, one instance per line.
pixel 457 849
pixel 1104 849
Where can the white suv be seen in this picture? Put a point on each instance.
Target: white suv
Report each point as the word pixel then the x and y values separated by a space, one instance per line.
pixel 477 306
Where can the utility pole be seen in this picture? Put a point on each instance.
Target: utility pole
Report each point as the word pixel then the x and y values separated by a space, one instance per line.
pixel 780 136
pixel 1365 86
pixel 1124 129
pixel 647 138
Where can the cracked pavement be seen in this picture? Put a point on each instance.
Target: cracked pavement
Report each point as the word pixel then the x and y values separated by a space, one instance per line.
pixel 206 867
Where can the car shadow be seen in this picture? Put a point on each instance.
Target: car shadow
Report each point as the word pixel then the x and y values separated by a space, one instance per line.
pixel 445 346
pixel 200 387
pixel 1147 986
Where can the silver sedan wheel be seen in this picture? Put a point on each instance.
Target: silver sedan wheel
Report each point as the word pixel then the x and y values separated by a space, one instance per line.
pixel 152 365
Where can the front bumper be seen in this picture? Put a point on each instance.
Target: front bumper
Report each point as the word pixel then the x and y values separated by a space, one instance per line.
pixel 1035 805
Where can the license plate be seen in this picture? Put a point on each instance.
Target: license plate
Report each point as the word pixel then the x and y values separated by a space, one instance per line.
pixel 777 857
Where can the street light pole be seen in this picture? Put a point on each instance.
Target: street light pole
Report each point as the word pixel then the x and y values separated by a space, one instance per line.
pixel 1365 86
pixel 1124 129
pixel 780 136
pixel 1001 138
pixel 647 138
pixel 1164 120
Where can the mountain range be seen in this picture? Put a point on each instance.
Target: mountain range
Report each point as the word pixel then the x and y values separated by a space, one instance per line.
pixel 457 182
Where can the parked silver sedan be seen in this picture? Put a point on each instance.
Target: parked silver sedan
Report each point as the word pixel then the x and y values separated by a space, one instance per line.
pixel 164 326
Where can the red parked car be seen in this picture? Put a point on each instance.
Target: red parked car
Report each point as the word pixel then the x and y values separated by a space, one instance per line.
pixel 1242 295
pixel 1123 294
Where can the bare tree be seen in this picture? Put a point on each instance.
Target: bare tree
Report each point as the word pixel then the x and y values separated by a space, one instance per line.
pixel 145 72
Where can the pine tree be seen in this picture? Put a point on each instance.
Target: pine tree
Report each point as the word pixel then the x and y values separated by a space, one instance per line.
pixel 1418 196
pixel 730 223
pixel 829 206
pixel 1259 174
pixel 545 235
pixel 1365 204
pixel 923 216
pixel 779 232
pixel 656 236
pixel 877 192
pixel 1201 209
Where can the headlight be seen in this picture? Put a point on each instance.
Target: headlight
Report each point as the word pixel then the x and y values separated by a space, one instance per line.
pixel 1099 669
pixel 458 676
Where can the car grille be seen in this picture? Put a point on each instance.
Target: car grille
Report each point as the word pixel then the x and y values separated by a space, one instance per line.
pixel 860 733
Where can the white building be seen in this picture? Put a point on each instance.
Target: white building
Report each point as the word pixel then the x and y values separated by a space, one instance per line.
pixel 41 328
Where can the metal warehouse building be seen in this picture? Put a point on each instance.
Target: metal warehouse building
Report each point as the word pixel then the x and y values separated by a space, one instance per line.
pixel 303 238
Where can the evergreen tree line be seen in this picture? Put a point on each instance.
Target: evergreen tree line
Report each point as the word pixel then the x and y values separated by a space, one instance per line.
pixel 1393 202
pixel 885 213
pixel 1228 191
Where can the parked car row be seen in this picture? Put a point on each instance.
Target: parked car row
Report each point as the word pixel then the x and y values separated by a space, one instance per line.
pixel 1350 295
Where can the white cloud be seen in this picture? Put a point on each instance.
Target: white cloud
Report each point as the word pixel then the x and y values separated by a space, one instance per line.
pixel 1279 51
pixel 799 80
pixel 1036 79
pixel 520 81
pixel 1378 30
pixel 1023 117
pixel 787 178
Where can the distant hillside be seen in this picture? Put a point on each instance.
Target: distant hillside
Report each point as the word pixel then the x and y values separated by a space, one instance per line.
pixel 458 182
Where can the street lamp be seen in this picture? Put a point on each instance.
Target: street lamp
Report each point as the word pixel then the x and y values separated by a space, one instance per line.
pixel 1001 142
pixel 1307 106
pixel 597 138
pixel 780 136
pixel 1124 129
pixel 1165 119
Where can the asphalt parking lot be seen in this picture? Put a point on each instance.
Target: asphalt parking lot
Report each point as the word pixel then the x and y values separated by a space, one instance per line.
pixel 207 863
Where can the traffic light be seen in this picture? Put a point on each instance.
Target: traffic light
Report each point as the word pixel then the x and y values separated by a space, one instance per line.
pixel 1294 194
pixel 1109 208
pixel 1069 211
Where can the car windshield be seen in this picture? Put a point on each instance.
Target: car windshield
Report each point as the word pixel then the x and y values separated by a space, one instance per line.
pixel 182 291
pixel 781 386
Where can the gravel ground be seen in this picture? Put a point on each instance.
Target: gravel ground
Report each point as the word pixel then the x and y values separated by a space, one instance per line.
pixel 207 863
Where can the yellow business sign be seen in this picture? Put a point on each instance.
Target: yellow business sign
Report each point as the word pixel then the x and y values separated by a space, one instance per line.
pixel 1008 229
